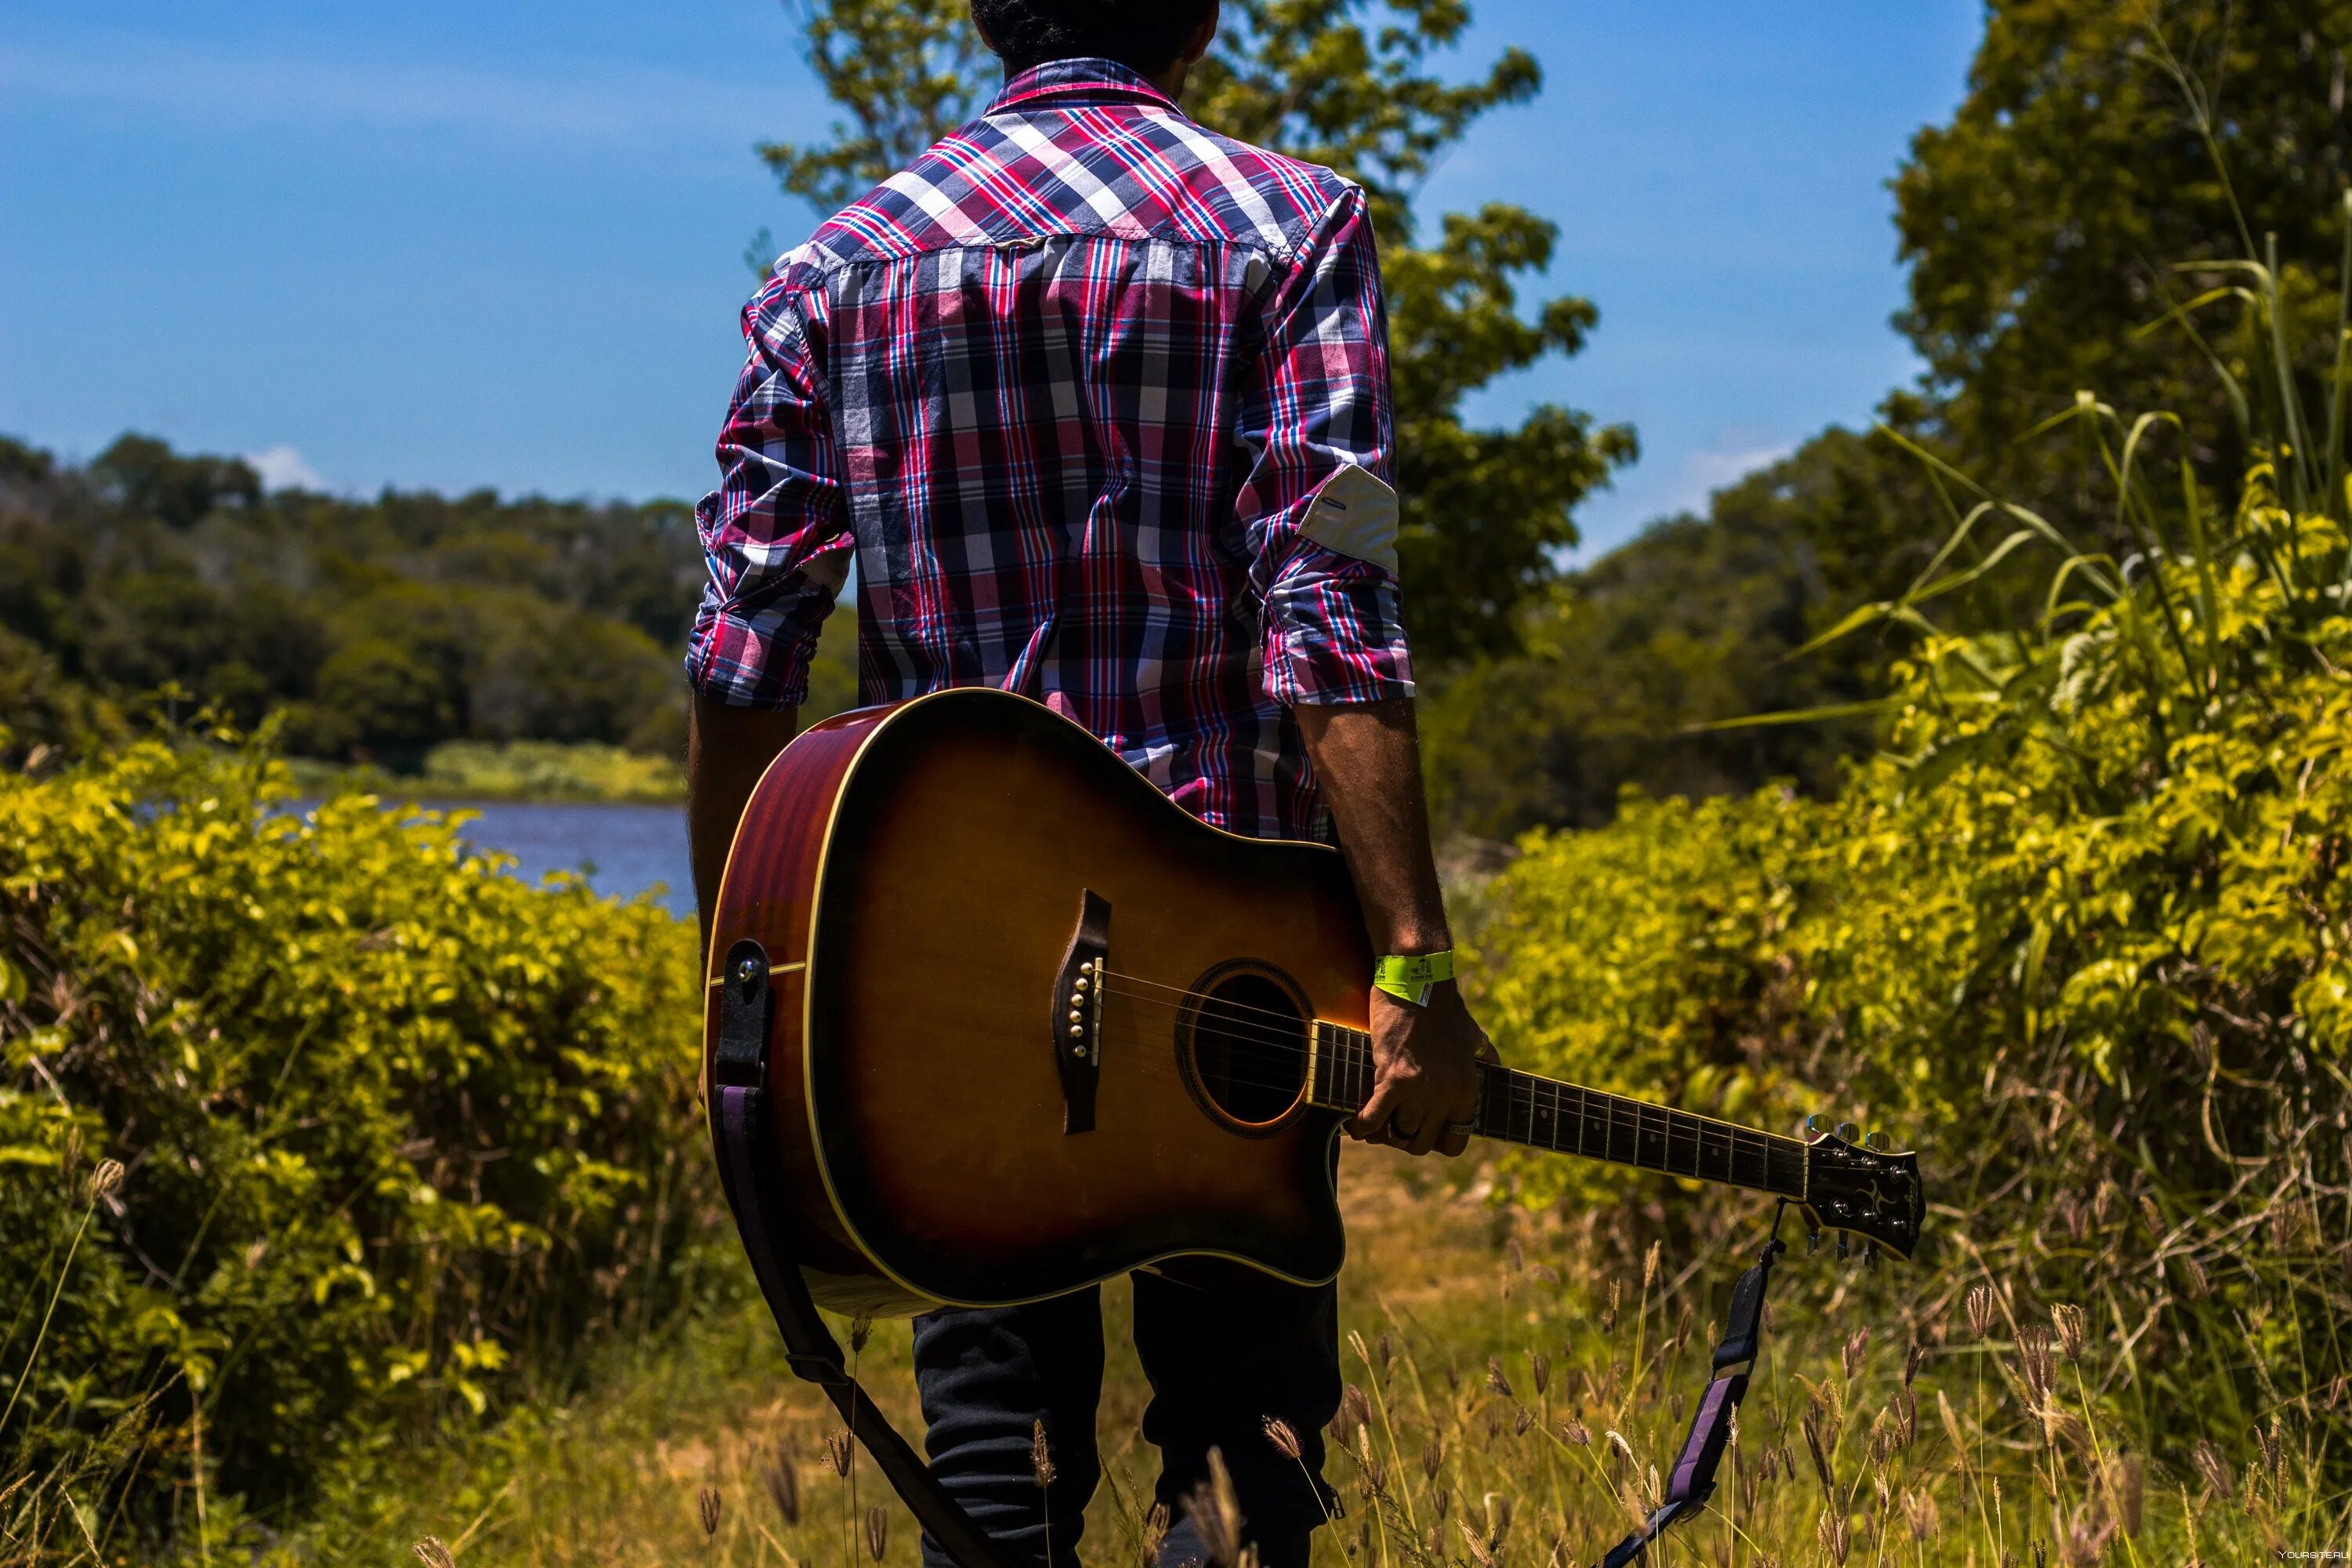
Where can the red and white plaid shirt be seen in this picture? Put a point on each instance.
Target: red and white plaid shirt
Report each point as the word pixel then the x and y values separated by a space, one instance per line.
pixel 1099 402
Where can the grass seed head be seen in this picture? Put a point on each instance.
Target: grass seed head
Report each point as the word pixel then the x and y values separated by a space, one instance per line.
pixel 839 1450
pixel 1433 1457
pixel 877 1531
pixel 1921 1516
pixel 1857 1346
pixel 1979 1310
pixel 1832 1533
pixel 705 1505
pixel 103 1182
pixel 2073 1330
pixel 1041 1456
pixel 1495 1381
pixel 1650 1266
pixel 429 1550
pixel 1154 1533
pixel 1477 1545
pixel 1820 1455
pixel 1215 1510
pixel 2130 1484
pixel 1539 1372
pixel 861 1329
pixel 1278 1432
pixel 1355 1410
pixel 782 1479
pixel 1575 1432
pixel 2214 1469
pixel 2035 1363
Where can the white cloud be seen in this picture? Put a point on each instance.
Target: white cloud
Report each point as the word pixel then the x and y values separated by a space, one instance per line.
pixel 1732 457
pixel 282 469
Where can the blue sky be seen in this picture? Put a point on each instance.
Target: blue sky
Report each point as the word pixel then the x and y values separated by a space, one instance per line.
pixel 500 244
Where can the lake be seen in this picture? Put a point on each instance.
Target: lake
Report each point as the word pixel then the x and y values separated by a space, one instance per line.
pixel 620 849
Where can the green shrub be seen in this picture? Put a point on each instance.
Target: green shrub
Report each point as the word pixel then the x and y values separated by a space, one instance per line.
pixel 2079 929
pixel 394 1123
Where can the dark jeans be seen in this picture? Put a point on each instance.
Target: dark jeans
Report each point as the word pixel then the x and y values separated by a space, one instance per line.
pixel 1225 1347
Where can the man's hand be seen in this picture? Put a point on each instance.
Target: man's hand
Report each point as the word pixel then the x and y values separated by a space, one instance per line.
pixel 1369 760
pixel 1427 1083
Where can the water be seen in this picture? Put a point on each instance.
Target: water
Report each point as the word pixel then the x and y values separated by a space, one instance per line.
pixel 623 850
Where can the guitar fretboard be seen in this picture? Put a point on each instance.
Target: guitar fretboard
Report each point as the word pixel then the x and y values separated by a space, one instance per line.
pixel 1545 1113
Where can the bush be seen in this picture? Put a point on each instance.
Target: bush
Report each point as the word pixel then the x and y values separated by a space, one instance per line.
pixel 2081 926
pixel 392 1121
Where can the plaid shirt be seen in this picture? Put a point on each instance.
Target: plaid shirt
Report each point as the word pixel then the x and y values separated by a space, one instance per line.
pixel 1099 400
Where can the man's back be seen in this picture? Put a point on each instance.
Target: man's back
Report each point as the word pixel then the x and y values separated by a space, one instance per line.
pixel 1097 399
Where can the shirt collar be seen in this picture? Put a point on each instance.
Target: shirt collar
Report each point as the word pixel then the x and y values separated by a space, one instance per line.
pixel 1090 77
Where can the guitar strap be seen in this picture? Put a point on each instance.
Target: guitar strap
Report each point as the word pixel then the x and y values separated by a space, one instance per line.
pixel 1693 1480
pixel 740 1132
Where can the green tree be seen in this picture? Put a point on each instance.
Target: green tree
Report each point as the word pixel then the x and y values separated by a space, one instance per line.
pixel 1694 621
pixel 1351 84
pixel 2050 218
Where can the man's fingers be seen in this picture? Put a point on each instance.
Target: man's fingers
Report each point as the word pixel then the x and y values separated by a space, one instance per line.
pixel 1370 1124
pixel 1453 1143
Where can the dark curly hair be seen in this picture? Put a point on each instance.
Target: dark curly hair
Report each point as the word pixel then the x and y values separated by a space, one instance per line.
pixel 1142 35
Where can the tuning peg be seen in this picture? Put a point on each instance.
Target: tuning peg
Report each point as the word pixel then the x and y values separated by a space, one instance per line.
pixel 1816 1128
pixel 1848 1132
pixel 1876 1142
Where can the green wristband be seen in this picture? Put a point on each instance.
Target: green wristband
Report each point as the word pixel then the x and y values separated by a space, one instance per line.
pixel 1410 977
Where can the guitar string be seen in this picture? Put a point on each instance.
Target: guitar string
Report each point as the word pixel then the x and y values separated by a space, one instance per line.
pixel 1618 1114
pixel 1621 1110
pixel 1284 1038
pixel 1288 1041
pixel 1773 1142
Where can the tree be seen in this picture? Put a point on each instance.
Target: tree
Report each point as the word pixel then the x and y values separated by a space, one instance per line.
pixel 1695 621
pixel 1346 83
pixel 2047 221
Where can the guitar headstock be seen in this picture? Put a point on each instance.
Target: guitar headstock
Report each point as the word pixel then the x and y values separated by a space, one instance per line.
pixel 1862 1187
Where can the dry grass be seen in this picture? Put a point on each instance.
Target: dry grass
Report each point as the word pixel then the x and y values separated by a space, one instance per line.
pixel 1521 1381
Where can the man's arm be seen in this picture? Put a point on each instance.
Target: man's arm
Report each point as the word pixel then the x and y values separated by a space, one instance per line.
pixel 727 750
pixel 1368 757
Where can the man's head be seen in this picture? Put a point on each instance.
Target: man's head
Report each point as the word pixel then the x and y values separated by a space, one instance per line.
pixel 1158 38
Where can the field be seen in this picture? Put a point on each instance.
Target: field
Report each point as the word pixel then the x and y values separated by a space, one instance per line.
pixel 1525 1376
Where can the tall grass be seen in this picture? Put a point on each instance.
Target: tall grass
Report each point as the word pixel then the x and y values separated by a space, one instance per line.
pixel 1518 1382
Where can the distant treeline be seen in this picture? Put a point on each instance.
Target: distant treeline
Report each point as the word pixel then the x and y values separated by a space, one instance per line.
pixel 378 627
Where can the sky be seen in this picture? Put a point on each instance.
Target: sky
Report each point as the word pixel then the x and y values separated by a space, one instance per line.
pixel 456 245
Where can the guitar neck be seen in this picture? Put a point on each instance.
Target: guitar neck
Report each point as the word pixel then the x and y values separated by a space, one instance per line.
pixel 1545 1113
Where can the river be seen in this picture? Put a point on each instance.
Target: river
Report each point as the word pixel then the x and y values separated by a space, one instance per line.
pixel 622 851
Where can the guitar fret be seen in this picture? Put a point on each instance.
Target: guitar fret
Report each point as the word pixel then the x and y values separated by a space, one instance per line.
pixel 1546 1113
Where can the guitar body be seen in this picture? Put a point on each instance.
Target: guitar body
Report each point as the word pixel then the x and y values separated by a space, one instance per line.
pixel 921 878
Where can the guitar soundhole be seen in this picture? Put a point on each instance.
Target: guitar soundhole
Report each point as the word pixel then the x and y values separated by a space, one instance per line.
pixel 1246 1046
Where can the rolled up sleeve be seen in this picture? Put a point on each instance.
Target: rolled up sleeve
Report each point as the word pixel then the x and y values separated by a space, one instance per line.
pixel 1317 501
pixel 775 533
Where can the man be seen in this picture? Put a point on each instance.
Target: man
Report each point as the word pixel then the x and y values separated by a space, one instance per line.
pixel 1097 400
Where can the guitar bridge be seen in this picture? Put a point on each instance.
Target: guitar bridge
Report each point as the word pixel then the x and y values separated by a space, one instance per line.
pixel 1076 1016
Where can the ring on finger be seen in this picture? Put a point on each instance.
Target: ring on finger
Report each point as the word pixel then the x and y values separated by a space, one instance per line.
pixel 1462 1129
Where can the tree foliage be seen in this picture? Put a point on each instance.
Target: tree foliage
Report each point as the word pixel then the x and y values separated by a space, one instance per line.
pixel 379 628
pixel 1695 622
pixel 2101 149
pixel 1351 84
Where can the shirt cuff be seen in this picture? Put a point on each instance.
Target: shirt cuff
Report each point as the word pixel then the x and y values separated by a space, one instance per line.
pixel 755 660
pixel 1333 633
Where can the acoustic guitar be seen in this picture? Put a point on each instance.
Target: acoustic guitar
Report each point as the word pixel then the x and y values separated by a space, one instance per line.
pixel 1023 1024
